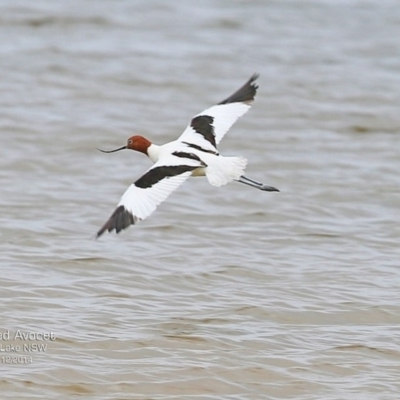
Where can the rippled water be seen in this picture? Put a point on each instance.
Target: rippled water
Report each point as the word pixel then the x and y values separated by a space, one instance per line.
pixel 224 292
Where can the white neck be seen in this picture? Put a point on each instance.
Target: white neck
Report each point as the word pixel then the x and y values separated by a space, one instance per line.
pixel 153 151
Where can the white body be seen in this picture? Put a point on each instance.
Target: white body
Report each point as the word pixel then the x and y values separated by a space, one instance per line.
pixel 219 171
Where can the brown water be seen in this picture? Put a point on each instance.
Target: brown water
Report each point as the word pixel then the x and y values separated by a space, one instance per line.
pixel 224 293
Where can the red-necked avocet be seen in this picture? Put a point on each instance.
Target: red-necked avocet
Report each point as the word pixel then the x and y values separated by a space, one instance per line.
pixel 194 153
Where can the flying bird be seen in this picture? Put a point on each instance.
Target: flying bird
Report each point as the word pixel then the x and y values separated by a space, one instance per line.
pixel 194 153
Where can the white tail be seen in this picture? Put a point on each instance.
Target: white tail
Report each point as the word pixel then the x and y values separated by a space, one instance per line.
pixel 225 170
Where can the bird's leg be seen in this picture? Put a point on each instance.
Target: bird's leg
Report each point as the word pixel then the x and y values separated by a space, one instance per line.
pixel 258 185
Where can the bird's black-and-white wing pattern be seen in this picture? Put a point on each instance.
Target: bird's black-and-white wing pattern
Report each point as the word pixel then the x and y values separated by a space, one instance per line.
pixel 207 129
pixel 143 196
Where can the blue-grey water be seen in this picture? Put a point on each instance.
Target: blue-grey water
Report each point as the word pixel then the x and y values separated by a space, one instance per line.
pixel 223 293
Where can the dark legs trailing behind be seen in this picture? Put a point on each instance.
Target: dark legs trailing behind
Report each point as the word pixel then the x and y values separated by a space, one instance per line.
pixel 257 185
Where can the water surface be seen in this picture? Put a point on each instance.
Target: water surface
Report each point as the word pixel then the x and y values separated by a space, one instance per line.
pixel 224 292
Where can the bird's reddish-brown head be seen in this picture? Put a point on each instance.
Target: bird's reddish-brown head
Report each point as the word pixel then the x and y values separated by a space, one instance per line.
pixel 136 142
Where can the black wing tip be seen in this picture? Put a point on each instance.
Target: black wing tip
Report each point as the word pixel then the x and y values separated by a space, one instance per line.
pixel 120 219
pixel 253 78
pixel 246 93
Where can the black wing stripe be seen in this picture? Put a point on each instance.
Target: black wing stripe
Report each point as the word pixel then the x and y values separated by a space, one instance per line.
pixel 191 156
pixel 155 175
pixel 245 94
pixel 195 146
pixel 203 125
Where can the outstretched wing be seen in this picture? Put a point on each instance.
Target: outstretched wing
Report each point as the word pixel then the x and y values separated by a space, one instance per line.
pixel 143 196
pixel 207 129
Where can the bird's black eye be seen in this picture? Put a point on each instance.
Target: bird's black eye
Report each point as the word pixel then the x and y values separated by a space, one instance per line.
pixel 130 141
